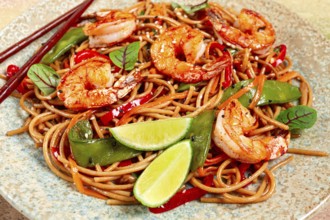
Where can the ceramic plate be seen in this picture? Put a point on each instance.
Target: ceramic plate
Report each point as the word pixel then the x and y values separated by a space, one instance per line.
pixel 304 184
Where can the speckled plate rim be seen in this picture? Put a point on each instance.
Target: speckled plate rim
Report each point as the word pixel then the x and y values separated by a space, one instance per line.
pixel 302 186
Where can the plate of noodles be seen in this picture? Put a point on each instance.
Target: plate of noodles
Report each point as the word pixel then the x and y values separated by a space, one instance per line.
pixel 42 175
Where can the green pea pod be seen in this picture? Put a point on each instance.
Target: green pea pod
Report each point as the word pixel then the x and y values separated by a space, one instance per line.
pixel 88 152
pixel 200 136
pixel 186 86
pixel 274 92
pixel 73 37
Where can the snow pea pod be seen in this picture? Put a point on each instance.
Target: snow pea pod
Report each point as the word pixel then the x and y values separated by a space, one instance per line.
pixel 200 136
pixel 72 37
pixel 274 92
pixel 88 152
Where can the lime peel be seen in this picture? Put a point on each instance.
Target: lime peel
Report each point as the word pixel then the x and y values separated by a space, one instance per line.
pixel 164 176
pixel 152 135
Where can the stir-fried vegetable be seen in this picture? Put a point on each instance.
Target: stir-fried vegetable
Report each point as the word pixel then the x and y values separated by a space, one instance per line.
pixel 121 110
pixel 88 152
pixel 184 196
pixel 87 54
pixel 273 92
pixel 200 136
pixel 72 37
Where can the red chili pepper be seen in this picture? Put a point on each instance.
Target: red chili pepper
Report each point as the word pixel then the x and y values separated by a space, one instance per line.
pixel 87 54
pixel 184 196
pixel 11 71
pixel 121 110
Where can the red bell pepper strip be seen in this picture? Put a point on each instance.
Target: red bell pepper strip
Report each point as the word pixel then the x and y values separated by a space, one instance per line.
pixel 184 196
pixel 11 71
pixel 228 70
pixel 228 77
pixel 217 45
pixel 281 53
pixel 87 54
pixel 243 167
pixel 125 163
pixel 121 110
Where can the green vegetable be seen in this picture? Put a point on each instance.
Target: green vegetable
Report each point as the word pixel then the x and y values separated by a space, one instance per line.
pixel 127 56
pixel 44 77
pixel 88 152
pixel 200 136
pixel 73 37
pixel 298 117
pixel 191 9
pixel 274 92
pixel 185 86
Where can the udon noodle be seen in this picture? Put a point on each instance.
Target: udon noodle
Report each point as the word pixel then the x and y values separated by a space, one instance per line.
pixel 49 120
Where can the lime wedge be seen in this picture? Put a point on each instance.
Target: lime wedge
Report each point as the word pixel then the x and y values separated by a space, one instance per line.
pixel 152 135
pixel 164 176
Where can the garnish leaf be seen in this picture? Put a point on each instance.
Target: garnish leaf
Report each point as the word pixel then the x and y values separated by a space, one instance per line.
pixel 127 56
pixel 298 117
pixel 44 77
pixel 191 9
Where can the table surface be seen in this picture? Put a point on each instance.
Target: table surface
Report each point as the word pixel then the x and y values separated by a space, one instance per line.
pixel 313 11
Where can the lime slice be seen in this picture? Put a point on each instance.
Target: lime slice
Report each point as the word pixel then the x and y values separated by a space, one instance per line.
pixel 164 176
pixel 152 135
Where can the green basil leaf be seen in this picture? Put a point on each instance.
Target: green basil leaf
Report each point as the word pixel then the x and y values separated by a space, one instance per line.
pixel 298 117
pixel 127 56
pixel 191 9
pixel 44 77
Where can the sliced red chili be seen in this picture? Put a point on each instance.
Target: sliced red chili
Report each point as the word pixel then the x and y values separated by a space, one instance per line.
pixel 183 197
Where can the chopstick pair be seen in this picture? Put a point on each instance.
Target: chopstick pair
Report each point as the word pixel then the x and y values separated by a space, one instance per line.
pixel 71 16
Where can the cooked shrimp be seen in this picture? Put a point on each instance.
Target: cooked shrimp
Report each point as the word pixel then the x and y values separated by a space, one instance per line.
pixel 90 85
pixel 179 41
pixel 113 27
pixel 229 135
pixel 250 30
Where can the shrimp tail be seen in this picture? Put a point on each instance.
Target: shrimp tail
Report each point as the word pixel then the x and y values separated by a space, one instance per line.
pixel 125 84
pixel 214 68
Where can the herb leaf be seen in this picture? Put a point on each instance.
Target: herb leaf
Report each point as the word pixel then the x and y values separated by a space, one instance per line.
pixel 298 117
pixel 44 77
pixel 127 56
pixel 191 9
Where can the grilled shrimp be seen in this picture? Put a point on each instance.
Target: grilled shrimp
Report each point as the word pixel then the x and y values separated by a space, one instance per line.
pixel 229 135
pixel 113 27
pixel 91 85
pixel 184 40
pixel 250 30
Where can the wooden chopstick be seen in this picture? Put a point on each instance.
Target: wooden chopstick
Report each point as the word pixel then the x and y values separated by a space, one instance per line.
pixel 35 35
pixel 14 81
